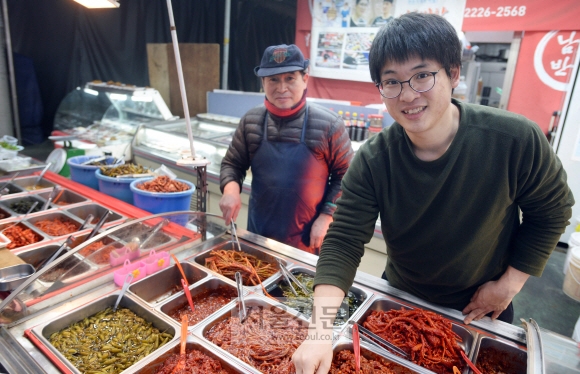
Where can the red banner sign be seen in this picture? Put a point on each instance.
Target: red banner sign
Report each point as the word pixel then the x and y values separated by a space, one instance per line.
pixel 521 15
pixel 543 71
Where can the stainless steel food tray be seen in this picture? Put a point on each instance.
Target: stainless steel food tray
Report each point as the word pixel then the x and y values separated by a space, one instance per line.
pixel 179 300
pixel 151 364
pixel 25 225
pixel 45 330
pixel 361 294
pixel 33 197
pixel 385 303
pixel 262 254
pixel 81 211
pixel 252 301
pixel 34 166
pixel 142 231
pixel 25 182
pixel 160 286
pixel 53 215
pixel 75 267
pixel 368 352
pixel 67 199
pixel 516 354
pixel 12 276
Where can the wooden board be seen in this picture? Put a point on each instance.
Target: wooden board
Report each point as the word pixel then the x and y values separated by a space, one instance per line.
pixel 8 258
pixel 201 74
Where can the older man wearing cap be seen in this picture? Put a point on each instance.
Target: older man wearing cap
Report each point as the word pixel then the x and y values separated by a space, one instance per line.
pixel 298 154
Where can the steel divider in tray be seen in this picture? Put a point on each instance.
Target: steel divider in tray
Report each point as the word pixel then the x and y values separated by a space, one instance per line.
pixel 151 364
pixel 44 331
pixel 385 303
pixel 162 285
pixel 257 306
pixel 260 253
pixel 397 364
pixel 208 286
pixel 358 296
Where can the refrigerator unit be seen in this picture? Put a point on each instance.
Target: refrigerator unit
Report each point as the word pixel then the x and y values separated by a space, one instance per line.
pixel 567 146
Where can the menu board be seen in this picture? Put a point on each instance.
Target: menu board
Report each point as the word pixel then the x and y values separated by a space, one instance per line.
pixel 343 31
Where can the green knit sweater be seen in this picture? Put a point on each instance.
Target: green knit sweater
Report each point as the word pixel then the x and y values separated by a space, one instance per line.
pixel 451 224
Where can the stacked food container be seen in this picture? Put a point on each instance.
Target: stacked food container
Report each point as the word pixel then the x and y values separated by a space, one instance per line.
pixel 62 319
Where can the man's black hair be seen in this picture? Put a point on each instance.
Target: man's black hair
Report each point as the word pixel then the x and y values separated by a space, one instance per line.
pixel 427 36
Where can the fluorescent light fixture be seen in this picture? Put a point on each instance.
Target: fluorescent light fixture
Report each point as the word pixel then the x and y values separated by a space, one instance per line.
pixel 91 92
pixel 146 99
pixel 99 3
pixel 116 96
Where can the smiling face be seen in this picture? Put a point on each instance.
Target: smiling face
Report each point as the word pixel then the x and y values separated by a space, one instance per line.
pixel 285 90
pixel 426 113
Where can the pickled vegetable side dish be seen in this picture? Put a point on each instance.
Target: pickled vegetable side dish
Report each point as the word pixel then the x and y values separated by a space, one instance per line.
pixel 108 341
pixel 303 302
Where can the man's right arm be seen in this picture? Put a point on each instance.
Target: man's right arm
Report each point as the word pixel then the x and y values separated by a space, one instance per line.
pixel 315 354
pixel 231 202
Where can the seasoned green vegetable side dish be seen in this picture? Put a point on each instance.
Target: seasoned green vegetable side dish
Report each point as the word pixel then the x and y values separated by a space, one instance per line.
pixel 303 302
pixel 124 170
pixel 8 146
pixel 108 342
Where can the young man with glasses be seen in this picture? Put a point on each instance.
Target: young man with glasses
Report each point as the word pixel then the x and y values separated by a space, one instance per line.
pixel 448 181
pixel 298 154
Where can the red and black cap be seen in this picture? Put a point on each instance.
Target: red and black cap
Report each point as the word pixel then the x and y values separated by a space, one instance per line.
pixel 279 59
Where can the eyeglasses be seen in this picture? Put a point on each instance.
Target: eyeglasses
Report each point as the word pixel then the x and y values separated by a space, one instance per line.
pixel 420 82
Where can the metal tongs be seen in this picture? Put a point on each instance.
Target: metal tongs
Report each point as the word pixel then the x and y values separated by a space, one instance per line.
pixel 242 306
pixel 235 237
pixel 377 341
pixel 156 229
pixel 95 159
pixel 291 278
pixel 67 243
pixel 41 175
pixel 51 197
pixel 99 224
pixel 5 185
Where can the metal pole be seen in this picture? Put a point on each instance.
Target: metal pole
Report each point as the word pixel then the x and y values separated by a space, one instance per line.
pixel 226 45
pixel 10 59
pixel 180 77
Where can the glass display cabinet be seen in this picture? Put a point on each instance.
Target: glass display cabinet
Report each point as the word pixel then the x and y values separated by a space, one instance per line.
pixel 108 114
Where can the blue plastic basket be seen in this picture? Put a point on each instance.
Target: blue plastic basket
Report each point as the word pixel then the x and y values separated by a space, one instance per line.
pixel 119 188
pixel 161 202
pixel 85 174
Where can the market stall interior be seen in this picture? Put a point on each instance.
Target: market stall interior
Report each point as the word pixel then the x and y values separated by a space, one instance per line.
pixel 61 319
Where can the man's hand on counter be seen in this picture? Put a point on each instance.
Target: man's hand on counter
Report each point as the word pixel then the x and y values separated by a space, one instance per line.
pixel 319 229
pixel 231 202
pixel 314 356
pixel 495 296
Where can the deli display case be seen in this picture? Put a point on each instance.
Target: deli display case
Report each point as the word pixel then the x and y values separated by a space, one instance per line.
pixel 108 114
pixel 61 319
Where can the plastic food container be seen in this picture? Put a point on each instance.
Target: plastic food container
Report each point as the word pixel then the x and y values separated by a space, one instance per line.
pixel 85 174
pixel 161 202
pixel 116 187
